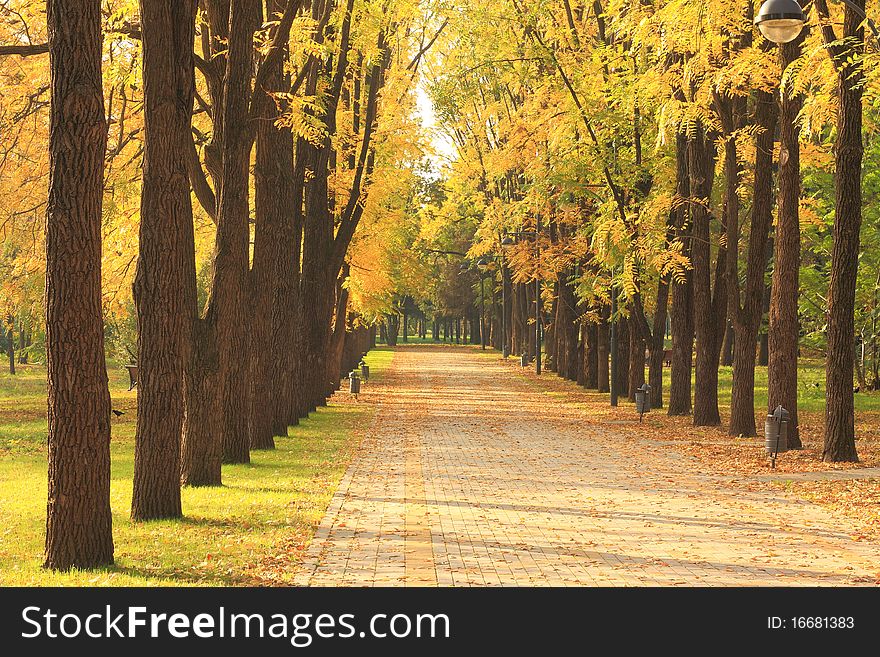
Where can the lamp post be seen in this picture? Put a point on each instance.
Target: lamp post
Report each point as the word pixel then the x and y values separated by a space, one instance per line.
pixel 781 21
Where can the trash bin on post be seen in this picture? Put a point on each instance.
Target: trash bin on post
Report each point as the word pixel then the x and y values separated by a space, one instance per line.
pixel 354 383
pixel 365 371
pixel 524 360
pixel 776 433
pixel 643 400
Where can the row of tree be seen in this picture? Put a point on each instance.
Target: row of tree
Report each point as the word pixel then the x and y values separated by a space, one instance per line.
pixel 275 124
pixel 652 153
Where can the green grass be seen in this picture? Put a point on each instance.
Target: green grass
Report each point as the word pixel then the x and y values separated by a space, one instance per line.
pixel 250 531
pixel 811 388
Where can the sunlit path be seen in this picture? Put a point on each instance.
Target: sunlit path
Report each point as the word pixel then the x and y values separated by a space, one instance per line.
pixel 471 476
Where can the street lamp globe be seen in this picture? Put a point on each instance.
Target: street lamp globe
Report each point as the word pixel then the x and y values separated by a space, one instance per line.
pixel 482 264
pixel 507 241
pixel 780 21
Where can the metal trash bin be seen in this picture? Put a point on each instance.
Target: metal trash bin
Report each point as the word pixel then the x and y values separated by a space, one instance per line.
pixel 643 400
pixel 524 360
pixel 354 382
pixel 776 433
pixel 365 371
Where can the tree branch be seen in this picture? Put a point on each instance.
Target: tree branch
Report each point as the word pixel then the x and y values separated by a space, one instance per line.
pixel 25 50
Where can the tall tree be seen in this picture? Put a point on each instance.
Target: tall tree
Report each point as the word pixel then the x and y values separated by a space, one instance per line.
pixel 746 310
pixel 161 283
pixel 78 524
pixel 784 330
pixel 709 303
pixel 840 442
pixel 682 308
pixel 273 232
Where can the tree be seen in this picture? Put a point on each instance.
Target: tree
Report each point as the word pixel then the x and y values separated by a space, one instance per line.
pixel 273 244
pixel 161 285
pixel 709 301
pixel 79 524
pixel 784 329
pixel 848 152
pixel 746 313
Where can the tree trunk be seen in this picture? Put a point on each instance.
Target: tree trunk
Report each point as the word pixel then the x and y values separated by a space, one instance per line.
pixel 603 349
pixel 747 316
pixel 591 356
pixel 24 341
pixel 636 369
pixel 727 347
pixel 78 522
pixel 10 346
pixel 623 351
pixel 658 334
pixel 337 337
pixel 392 329
pixel 273 200
pixel 566 329
pixel 581 356
pixel 286 341
pixel 161 283
pixel 201 451
pixel 848 152
pixel 682 311
pixel 229 286
pixel 701 165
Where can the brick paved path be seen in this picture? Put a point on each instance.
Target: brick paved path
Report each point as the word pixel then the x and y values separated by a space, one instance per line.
pixel 471 476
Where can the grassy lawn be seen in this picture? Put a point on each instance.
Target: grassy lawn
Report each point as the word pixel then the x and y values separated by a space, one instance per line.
pixel 251 531
pixel 811 388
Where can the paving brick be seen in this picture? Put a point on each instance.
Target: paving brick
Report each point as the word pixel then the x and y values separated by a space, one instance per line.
pixel 470 476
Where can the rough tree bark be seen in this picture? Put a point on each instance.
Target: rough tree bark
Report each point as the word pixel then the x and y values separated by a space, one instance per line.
pixel 161 283
pixel 337 336
pixel 9 338
pixel 682 312
pixel 591 356
pixel 603 347
pixel 623 350
pixel 232 246
pixel 708 307
pixel 286 345
pixel 273 203
pixel 784 329
pixel 636 365
pixel 78 519
pixel 566 329
pixel 848 152
pixel 727 345
pixel 658 334
pixel 746 313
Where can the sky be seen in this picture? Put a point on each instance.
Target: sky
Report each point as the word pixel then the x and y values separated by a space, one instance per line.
pixel 441 143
